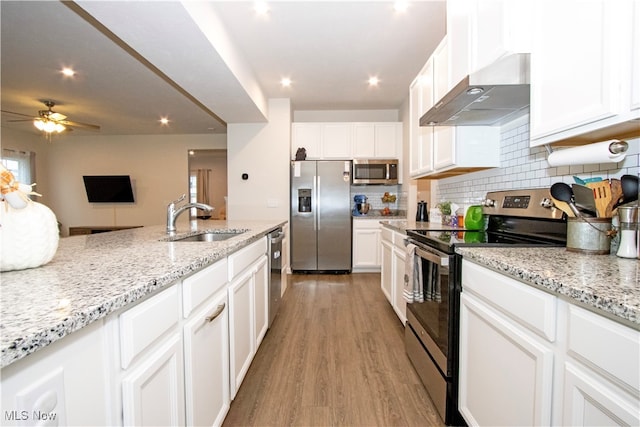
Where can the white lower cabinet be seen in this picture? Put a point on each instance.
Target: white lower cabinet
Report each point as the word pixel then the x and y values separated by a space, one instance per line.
pixel 366 245
pixel 528 357
pixel 506 372
pixel 206 352
pixel 386 273
pixel 393 254
pixel 602 371
pixel 399 303
pixel 248 308
pixel 153 389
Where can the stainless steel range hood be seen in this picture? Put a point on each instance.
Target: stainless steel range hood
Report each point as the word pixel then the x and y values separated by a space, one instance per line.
pixel 492 96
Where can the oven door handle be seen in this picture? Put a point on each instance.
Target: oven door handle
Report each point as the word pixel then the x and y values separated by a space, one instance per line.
pixel 441 261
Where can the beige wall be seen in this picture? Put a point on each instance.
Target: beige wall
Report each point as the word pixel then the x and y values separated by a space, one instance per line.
pixel 158 166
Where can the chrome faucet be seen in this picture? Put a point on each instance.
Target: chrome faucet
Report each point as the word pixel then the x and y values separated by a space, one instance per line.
pixel 172 212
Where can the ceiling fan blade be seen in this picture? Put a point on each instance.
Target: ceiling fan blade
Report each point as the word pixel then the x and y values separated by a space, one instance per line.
pixel 21 120
pixel 79 125
pixel 17 114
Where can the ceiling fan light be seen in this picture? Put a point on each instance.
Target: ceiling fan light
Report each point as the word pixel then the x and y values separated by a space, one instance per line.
pixel 48 126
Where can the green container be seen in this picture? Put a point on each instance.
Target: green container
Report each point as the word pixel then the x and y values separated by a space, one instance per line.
pixel 474 219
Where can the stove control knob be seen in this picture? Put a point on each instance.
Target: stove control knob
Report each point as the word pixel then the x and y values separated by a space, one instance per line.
pixel 546 203
pixel 489 203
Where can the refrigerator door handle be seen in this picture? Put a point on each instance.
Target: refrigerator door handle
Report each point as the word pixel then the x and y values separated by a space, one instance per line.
pixel 317 216
pixel 315 203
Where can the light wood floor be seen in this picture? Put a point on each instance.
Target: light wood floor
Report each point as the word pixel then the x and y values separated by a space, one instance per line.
pixel 333 356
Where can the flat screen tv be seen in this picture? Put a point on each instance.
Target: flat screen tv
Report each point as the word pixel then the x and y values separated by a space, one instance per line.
pixel 108 188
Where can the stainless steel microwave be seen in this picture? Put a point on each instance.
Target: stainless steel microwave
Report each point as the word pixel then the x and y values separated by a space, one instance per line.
pixel 375 171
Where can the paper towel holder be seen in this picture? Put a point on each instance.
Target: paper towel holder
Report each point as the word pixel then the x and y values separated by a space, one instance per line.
pixel 616 146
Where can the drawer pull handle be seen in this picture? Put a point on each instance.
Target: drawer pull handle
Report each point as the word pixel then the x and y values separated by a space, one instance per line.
pixel 216 313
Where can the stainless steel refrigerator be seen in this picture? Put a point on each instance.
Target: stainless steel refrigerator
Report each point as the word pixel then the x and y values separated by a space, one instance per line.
pixel 321 216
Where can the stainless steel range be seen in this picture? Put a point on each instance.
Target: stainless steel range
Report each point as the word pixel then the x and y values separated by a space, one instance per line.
pixel 516 217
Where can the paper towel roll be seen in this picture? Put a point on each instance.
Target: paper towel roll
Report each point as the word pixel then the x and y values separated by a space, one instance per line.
pixel 600 152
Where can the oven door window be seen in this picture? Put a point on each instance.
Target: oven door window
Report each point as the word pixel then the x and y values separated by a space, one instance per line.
pixel 433 315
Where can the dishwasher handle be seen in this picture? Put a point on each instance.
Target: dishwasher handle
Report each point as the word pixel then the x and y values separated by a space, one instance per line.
pixel 276 237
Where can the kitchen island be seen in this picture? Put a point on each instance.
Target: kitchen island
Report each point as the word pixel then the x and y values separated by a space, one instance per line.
pixel 95 275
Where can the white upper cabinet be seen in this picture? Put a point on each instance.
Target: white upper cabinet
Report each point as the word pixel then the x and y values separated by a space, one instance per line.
pixel 441 78
pixel 498 28
pixel 421 138
pixel 581 75
pixel 377 140
pixel 635 59
pixel 336 141
pixel 348 140
pixel 307 136
pixel 441 151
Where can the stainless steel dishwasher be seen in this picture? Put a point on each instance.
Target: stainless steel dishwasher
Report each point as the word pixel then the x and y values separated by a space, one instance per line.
pixel 275 268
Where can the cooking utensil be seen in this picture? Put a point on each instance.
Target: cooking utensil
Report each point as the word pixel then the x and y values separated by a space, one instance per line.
pixel 584 198
pixel 581 181
pixel 563 192
pixel 563 206
pixel 616 197
pixel 602 196
pixel 629 188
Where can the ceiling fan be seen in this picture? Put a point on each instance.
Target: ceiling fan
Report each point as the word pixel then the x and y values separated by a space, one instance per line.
pixel 50 121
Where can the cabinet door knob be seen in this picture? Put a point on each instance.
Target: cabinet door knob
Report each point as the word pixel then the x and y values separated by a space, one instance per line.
pixel 216 313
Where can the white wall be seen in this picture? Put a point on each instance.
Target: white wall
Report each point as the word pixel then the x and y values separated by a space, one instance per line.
pixel 157 164
pixel 260 150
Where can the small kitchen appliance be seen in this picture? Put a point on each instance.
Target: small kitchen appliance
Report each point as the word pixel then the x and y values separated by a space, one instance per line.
pixel 361 207
pixel 375 171
pixel 524 218
pixel 422 214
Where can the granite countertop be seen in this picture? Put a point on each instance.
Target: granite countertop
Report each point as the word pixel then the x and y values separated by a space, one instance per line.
pixel 94 275
pixel 376 214
pixel 605 284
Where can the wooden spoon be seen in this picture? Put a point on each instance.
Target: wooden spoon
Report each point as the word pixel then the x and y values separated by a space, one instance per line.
pixel 563 206
pixel 616 195
pixel 602 196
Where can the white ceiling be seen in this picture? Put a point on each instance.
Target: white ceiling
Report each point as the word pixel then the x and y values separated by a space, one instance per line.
pixel 139 61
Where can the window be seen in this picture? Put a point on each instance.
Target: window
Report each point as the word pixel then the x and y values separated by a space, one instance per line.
pixel 21 164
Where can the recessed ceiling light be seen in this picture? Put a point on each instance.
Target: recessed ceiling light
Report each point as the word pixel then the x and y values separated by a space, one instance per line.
pixel 373 81
pixel 68 72
pixel 261 7
pixel 285 82
pixel 400 6
pixel 164 121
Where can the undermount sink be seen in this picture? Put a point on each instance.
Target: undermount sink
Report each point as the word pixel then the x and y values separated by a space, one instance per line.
pixel 209 236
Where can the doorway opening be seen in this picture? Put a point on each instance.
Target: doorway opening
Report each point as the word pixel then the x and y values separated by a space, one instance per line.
pixel 208 182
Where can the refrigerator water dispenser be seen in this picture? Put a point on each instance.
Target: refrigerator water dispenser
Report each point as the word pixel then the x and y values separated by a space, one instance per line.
pixel 304 200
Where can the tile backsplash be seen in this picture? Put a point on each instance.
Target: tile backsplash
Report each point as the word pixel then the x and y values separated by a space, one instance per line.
pixel 374 195
pixel 522 166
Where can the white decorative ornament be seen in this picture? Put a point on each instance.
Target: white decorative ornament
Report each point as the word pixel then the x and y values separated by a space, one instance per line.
pixel 28 236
